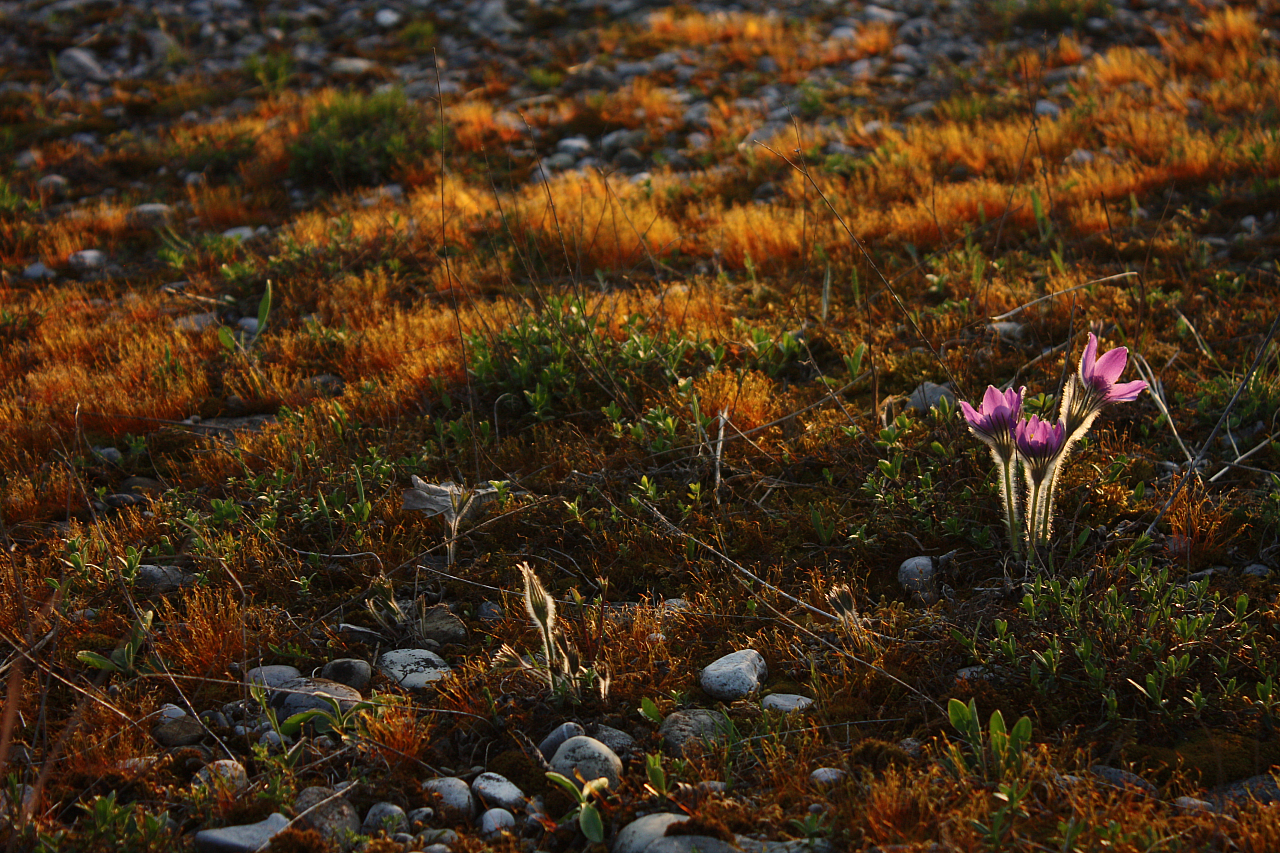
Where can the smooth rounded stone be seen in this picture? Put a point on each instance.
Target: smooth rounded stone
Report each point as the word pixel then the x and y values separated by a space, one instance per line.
pixel 1191 804
pixel 350 65
pixel 913 747
pixel 87 259
pixel 55 185
pixel 160 580
pixel 26 795
pixel 436 848
pixel 643 831
pixel 353 672
pixel 616 739
pixel 786 703
pixel 387 18
pixel 440 624
pixel 1047 108
pixel 825 776
pixel 919 108
pixel 420 817
pixel 152 215
pixel 328 813
pixel 919 574
pixel 80 64
pixel 37 271
pixel 196 322
pixel 239 233
pixel 735 676
pixel 182 731
pixel 559 735
pixel 1262 789
pixel 575 146
pixel 272 675
pixel 438 838
pixel 225 772
pixel 384 817
pixel 28 159
pixel 489 611
pixel 1123 779
pixel 274 741
pixel 691 844
pixel 413 668
pixel 973 673
pixel 928 395
pixel 497 791
pixel 1257 570
pixel 696 725
pixel 308 694
pixel 496 821
pixel 456 800
pixel 240 839
pixel 170 711
pixel 589 758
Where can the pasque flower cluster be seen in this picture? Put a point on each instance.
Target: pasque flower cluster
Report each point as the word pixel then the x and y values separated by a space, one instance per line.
pixel 1034 449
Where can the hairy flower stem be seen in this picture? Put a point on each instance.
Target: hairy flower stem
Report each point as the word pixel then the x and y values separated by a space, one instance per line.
pixel 1010 497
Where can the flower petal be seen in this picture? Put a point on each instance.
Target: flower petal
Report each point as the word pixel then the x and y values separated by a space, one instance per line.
pixel 972 415
pixel 1126 391
pixel 1090 355
pixel 1110 366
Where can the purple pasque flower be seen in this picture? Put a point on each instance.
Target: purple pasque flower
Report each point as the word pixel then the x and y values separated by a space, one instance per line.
pixel 1100 374
pixel 994 423
pixel 1096 385
pixel 1039 443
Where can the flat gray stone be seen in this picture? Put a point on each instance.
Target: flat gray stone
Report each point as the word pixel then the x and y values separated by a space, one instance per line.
pixel 589 758
pixel 151 215
pixel 240 839
pixel 616 739
pixel 824 777
pixel 928 395
pixel 225 772
pixel 331 816
pixel 919 574
pixel 384 817
pixel 160 580
pixel 80 64
pixel 735 676
pixel 182 731
pixel 87 259
pixel 455 798
pixel 643 831
pixel 413 668
pixel 1123 779
pixel 308 694
pixel 786 703
pixel 353 672
pixel 497 791
pixel 695 725
pixel 272 675
pixel 559 735
pixel 496 821
pixel 691 844
pixel 438 623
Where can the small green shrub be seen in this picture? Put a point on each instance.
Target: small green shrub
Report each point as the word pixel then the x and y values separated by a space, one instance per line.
pixel 361 140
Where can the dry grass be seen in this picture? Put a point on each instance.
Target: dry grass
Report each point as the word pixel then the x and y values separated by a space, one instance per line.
pixel 580 338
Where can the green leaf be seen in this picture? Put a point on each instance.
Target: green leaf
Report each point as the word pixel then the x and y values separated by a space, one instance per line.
pixel 958 712
pixel 264 309
pixel 591 824
pixel 649 709
pixel 595 787
pixel 96 661
pixel 227 339
pixel 566 783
